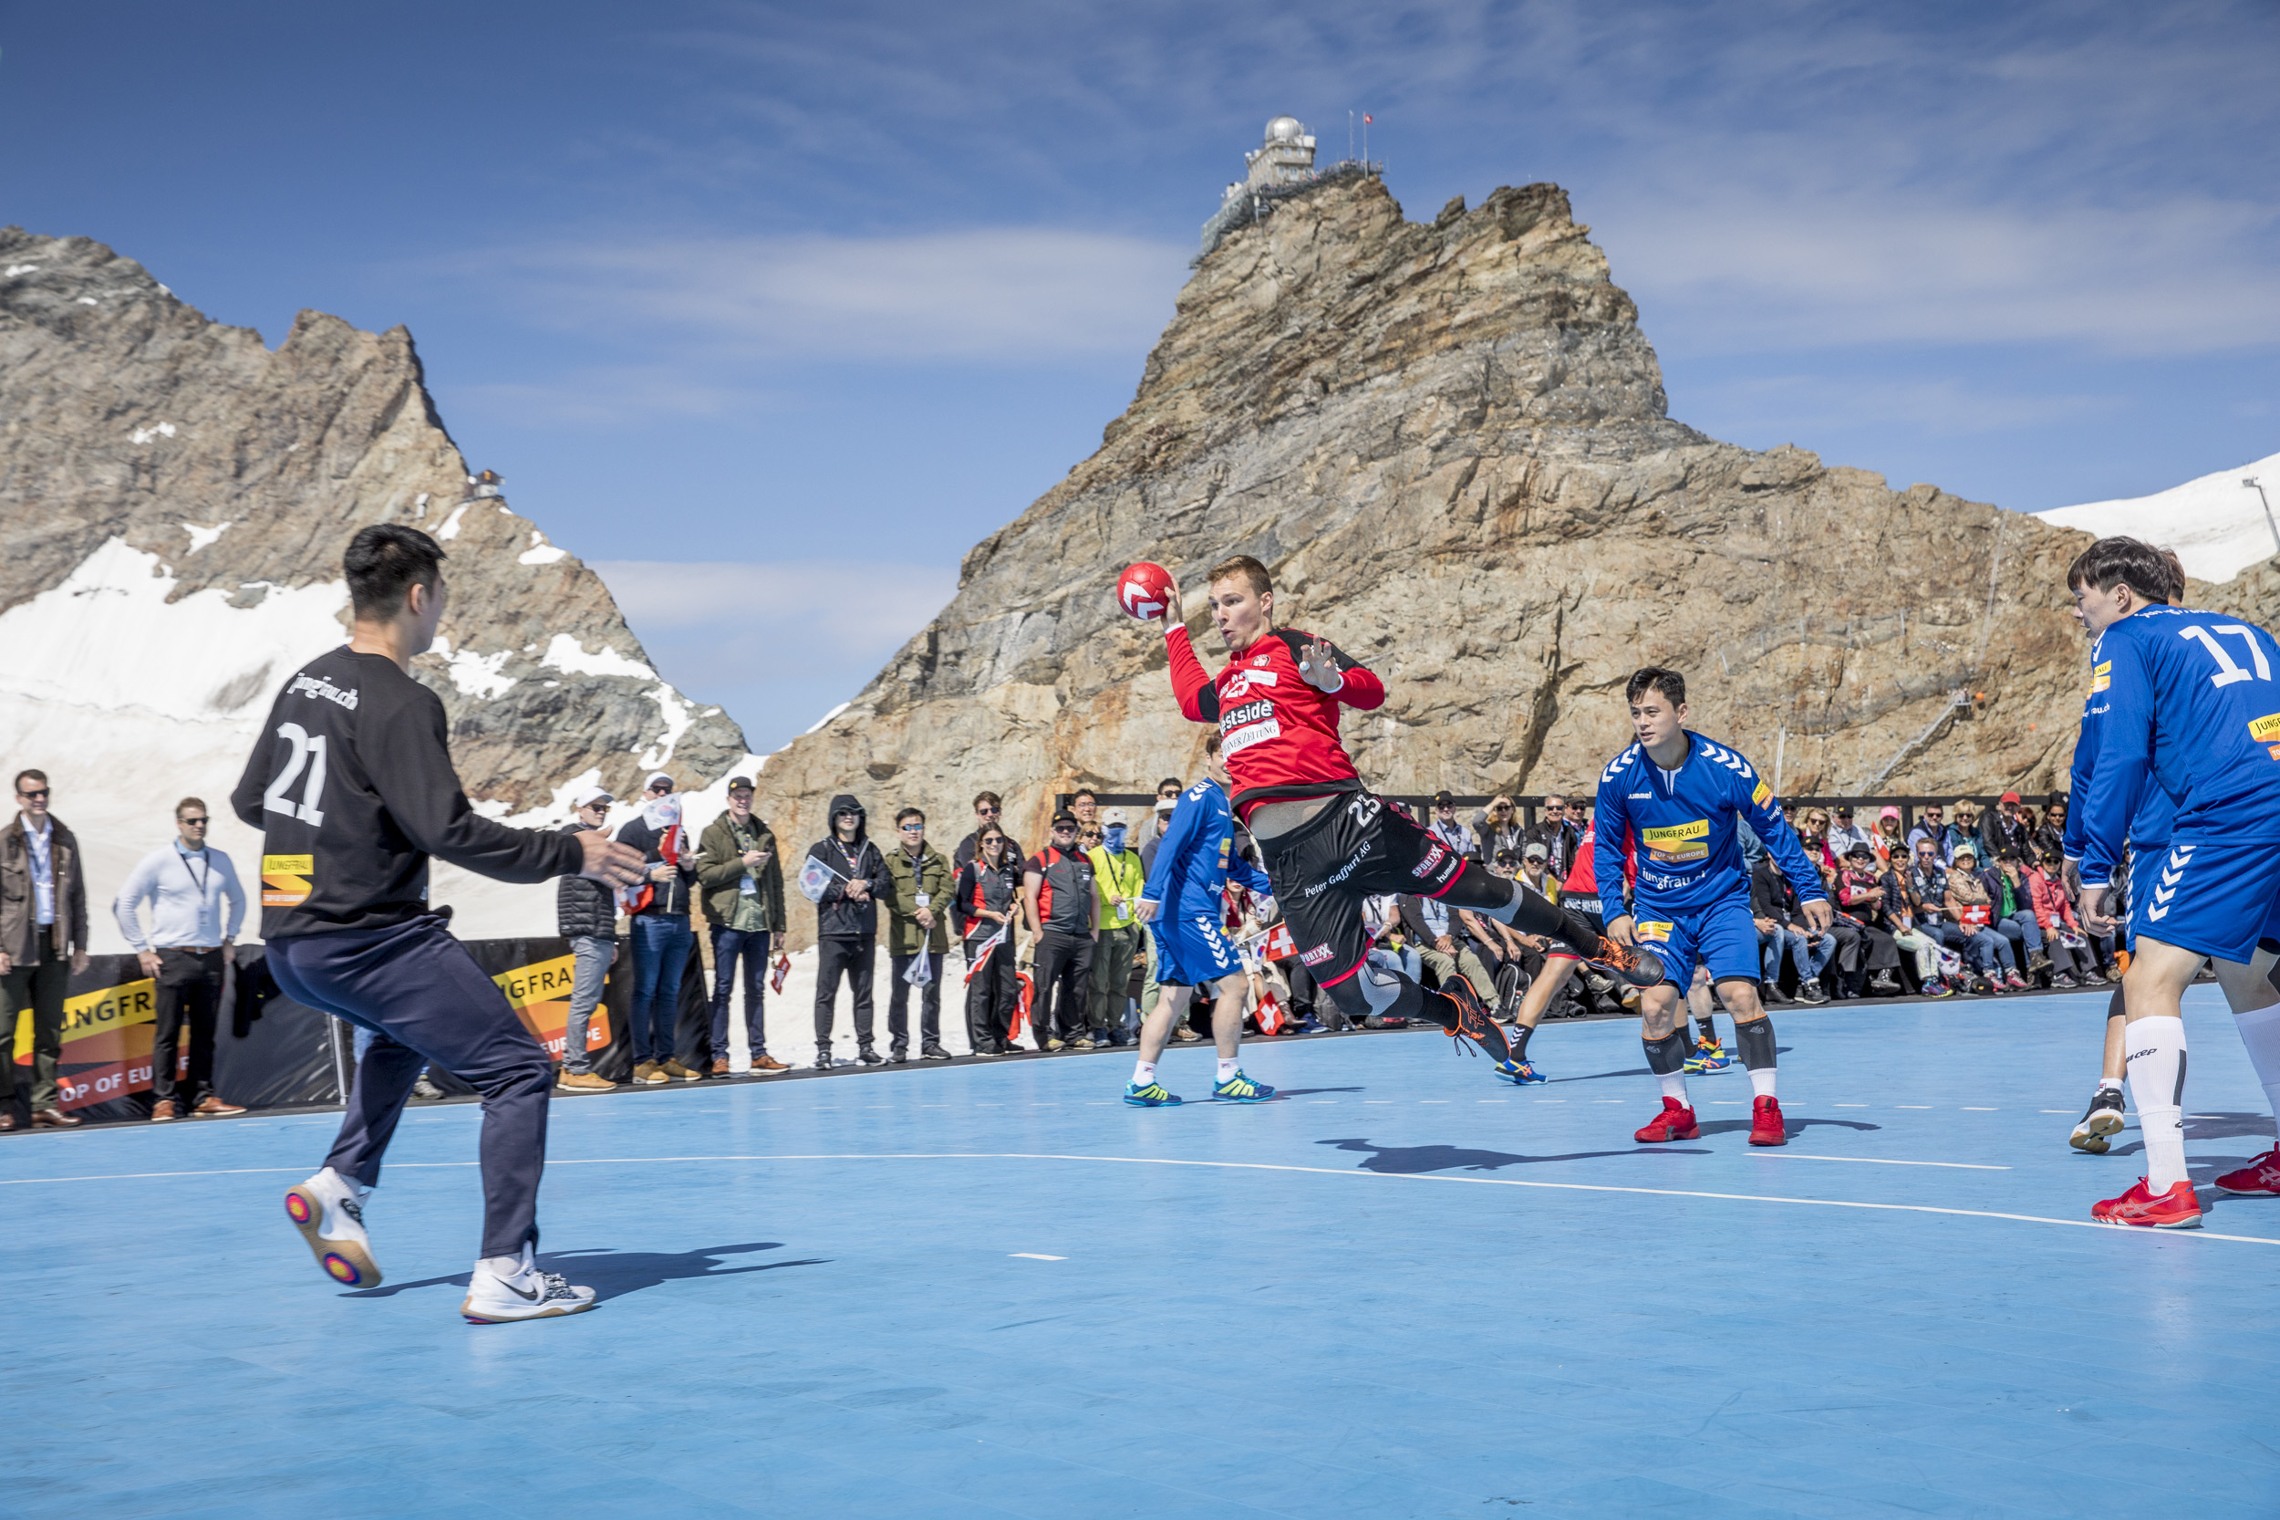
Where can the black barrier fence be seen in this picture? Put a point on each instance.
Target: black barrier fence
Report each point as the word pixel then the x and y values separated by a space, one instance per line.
pixel 272 1052
pixel 1531 805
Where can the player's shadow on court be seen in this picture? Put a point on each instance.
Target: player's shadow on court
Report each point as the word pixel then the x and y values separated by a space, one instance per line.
pixel 1641 1071
pixel 2225 1126
pixel 1308 1092
pixel 1793 1126
pixel 613 1274
pixel 1407 1159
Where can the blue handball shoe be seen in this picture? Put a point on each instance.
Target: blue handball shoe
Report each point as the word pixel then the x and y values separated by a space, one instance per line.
pixel 1708 1056
pixel 1241 1089
pixel 1151 1096
pixel 1520 1073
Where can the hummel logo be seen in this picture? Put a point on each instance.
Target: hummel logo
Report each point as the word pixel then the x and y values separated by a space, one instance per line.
pixel 1642 797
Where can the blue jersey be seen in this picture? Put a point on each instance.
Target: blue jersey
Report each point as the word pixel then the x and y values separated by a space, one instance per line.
pixel 1197 855
pixel 1682 823
pixel 2185 701
pixel 2154 818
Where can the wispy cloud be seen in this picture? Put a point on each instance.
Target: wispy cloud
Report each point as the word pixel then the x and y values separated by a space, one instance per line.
pixel 1016 295
pixel 1750 271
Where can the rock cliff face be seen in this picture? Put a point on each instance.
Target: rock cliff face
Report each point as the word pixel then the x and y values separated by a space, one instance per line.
pixel 1449 443
pixel 140 441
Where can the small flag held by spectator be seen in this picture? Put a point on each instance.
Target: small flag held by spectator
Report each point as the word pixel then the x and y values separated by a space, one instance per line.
pixel 981 957
pixel 815 879
pixel 920 971
pixel 783 969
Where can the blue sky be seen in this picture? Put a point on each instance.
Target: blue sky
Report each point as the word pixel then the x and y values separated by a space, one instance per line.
pixel 772 314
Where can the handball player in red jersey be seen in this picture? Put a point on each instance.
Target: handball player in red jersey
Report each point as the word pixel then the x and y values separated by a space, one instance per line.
pixel 1328 841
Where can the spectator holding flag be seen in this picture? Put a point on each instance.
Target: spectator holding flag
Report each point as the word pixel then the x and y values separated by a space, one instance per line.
pixel 918 937
pixel 662 939
pixel 982 903
pixel 845 877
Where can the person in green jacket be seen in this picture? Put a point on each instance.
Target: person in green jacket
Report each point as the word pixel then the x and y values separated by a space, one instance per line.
pixel 743 886
pixel 1118 877
pixel 918 916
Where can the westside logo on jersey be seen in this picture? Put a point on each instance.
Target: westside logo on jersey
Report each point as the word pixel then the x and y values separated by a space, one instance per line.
pixel 1251 723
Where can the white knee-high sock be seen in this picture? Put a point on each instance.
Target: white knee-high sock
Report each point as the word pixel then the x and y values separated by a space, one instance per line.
pixel 2156 1053
pixel 2260 1032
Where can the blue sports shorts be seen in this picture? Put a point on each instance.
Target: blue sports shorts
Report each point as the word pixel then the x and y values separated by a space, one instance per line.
pixel 1722 936
pixel 1192 951
pixel 2215 897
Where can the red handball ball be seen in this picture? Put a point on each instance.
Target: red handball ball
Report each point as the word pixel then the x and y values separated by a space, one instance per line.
pixel 1145 591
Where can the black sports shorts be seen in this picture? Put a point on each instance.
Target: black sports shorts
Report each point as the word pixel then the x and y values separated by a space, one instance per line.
pixel 1363 846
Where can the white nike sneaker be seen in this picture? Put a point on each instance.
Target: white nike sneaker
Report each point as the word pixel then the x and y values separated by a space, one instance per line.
pixel 528 1294
pixel 328 1210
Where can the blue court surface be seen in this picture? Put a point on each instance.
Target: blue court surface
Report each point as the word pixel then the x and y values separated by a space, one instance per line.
pixel 1402 1289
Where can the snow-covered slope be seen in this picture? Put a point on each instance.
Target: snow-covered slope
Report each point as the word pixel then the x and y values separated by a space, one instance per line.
pixel 2217 525
pixel 132 701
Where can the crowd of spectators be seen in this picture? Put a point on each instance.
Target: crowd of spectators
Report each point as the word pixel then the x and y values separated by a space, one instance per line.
pixel 1958 900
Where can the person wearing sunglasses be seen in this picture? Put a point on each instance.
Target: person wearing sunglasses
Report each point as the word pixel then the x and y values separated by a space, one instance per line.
pixel 989 813
pixel 43 943
pixel 196 910
pixel 918 917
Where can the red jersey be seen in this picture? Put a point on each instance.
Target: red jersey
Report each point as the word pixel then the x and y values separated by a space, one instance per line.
pixel 1583 880
pixel 1278 735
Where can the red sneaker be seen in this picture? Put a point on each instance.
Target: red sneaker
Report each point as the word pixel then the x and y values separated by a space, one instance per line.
pixel 1675 1122
pixel 2176 1209
pixel 2259 1179
pixel 1766 1127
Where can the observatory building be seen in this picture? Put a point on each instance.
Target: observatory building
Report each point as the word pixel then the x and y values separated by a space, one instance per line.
pixel 1281 166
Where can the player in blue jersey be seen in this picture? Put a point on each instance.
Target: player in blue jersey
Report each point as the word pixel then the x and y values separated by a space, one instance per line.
pixel 2187 701
pixel 1181 904
pixel 1677 796
pixel 2150 827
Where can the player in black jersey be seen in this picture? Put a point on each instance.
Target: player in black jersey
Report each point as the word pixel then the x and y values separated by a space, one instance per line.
pixel 352 787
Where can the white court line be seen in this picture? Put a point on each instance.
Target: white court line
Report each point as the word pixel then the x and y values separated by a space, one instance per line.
pixel 1253 1166
pixel 1033 1256
pixel 1961 1166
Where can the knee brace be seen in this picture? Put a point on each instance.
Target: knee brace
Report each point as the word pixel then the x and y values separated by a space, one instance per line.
pixel 1374 992
pixel 1668 1054
pixel 1755 1041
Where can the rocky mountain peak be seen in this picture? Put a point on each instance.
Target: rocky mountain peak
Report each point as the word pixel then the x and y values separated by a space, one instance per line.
pixel 1449 440
pixel 145 448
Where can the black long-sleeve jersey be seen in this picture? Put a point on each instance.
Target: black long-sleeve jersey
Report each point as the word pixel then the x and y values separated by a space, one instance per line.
pixel 352 787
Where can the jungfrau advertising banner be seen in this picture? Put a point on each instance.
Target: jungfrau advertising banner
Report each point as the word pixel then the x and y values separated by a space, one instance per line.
pixel 106 1042
pixel 539 991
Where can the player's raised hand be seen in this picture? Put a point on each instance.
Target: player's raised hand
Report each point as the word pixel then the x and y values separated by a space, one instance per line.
pixel 618 865
pixel 1819 915
pixel 1318 668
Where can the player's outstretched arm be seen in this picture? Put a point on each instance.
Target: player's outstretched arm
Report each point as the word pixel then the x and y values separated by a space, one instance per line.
pixel 618 865
pixel 409 760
